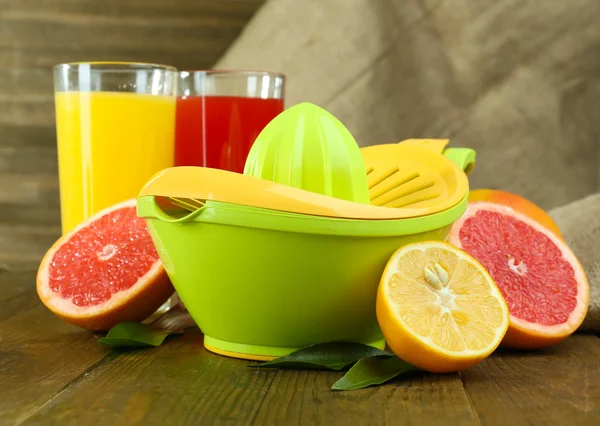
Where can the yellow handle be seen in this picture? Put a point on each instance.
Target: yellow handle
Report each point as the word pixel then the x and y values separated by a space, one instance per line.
pixel 464 158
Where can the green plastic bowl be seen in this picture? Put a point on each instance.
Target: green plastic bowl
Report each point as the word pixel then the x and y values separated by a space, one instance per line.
pixel 262 283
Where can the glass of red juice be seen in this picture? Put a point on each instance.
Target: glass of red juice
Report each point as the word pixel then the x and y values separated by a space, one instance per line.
pixel 220 114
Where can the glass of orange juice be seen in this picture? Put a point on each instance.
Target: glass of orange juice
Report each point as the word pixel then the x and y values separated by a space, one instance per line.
pixel 115 126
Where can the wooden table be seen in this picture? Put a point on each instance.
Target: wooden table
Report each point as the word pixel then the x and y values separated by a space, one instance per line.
pixel 53 373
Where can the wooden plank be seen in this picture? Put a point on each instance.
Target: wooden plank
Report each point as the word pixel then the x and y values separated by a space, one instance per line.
pixel 177 383
pixel 33 135
pixel 29 214
pixel 39 354
pixel 557 386
pixel 21 244
pixel 16 293
pixel 29 160
pixel 137 8
pixel 181 383
pixel 37 35
pixel 28 182
pixel 304 397
pixel 34 216
pixel 29 189
pixel 137 13
pixel 24 83
pixel 53 373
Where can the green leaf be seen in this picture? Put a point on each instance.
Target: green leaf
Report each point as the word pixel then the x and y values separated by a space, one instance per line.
pixel 328 356
pixel 373 371
pixel 133 335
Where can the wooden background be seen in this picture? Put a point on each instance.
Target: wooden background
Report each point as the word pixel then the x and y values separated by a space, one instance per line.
pixel 37 34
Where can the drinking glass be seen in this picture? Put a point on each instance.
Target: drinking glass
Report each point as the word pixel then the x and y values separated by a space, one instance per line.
pixel 220 114
pixel 115 125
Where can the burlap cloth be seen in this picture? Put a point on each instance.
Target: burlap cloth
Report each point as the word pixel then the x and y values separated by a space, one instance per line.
pixel 517 81
pixel 580 223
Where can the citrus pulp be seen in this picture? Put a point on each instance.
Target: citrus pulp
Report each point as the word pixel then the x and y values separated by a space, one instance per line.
pixel 540 278
pixel 438 308
pixel 517 203
pixel 104 271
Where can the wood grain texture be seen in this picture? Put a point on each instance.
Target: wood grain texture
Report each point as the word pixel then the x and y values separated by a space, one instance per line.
pixel 305 398
pixel 29 200
pixel 37 34
pixel 53 373
pixel 23 245
pixel 556 386
pixel 40 355
pixel 181 383
pixel 16 293
pixel 518 81
pixel 177 383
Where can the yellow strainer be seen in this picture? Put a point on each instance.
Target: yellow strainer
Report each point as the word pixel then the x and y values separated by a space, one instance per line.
pixel 192 187
pixel 414 173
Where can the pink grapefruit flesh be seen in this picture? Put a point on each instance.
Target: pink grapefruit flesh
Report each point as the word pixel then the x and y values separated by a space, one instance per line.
pixel 104 272
pixel 517 203
pixel 540 278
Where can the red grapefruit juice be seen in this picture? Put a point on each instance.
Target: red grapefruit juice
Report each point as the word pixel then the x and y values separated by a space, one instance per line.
pixel 218 131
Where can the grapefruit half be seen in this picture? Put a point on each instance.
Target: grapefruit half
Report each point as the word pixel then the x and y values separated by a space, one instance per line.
pixel 105 271
pixel 542 281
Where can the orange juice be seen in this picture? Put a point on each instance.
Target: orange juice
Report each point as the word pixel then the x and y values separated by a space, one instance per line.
pixel 109 145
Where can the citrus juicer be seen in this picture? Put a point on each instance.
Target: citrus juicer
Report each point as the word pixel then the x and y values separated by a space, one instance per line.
pixel 309 148
pixel 265 268
pixel 194 187
pixel 415 178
